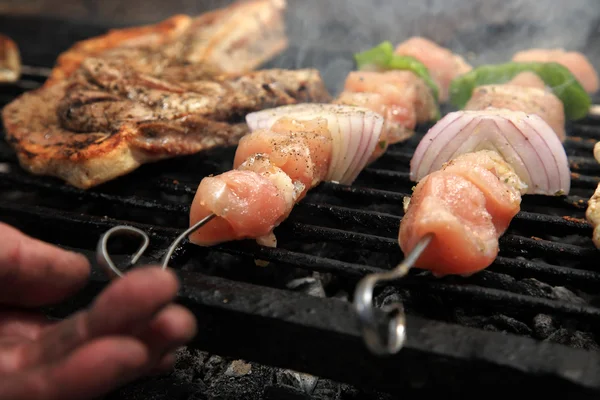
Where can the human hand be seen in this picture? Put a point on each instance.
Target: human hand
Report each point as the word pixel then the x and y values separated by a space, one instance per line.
pixel 132 328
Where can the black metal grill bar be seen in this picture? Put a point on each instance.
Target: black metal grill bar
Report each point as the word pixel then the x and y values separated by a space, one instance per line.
pixel 285 321
pixel 293 330
pixel 358 193
pixel 375 222
pixel 500 299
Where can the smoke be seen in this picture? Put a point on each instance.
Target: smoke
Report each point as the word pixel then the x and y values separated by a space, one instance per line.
pixel 325 33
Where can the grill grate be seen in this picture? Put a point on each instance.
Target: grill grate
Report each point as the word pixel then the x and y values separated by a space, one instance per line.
pixel 344 233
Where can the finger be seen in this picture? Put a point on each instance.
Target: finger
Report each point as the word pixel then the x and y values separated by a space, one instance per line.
pixel 126 307
pixel 130 303
pixel 173 327
pixel 91 371
pixel 34 273
pixel 22 324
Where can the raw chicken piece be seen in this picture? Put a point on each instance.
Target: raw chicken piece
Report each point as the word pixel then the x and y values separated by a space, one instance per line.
pixel 484 168
pixel 393 132
pixel 291 154
pixel 261 164
pixel 443 65
pixel 530 100
pixel 303 155
pixel 528 79
pixel 247 205
pixel 467 206
pixel 315 134
pixel 408 98
pixel 575 62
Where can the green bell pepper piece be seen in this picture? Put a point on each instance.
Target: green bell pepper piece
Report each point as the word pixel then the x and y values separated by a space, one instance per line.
pixel 565 86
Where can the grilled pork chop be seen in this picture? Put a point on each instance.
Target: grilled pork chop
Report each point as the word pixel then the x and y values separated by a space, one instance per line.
pixel 139 95
pixel 234 39
pixel 106 122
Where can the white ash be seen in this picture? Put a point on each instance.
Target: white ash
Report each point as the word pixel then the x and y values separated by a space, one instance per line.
pixel 198 375
pixel 310 285
pixel 302 382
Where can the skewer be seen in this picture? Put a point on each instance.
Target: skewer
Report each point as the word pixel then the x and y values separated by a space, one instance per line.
pixel 105 260
pixel 363 303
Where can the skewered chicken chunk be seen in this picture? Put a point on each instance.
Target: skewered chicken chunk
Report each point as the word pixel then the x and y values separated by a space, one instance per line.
pixel 443 65
pixel 467 205
pixel 291 149
pixel 530 100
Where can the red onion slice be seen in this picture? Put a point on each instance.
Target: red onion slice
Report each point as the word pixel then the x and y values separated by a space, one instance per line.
pixel 525 141
pixel 354 131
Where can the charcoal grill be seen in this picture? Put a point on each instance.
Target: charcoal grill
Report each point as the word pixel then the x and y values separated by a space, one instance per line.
pixel 464 334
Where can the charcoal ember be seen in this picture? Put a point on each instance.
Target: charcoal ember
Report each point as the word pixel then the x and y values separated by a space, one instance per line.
pixel 189 364
pixel 577 339
pixel 562 293
pixel 543 326
pixel 496 323
pixel 508 324
pixel 247 382
pixel 214 367
pixel 533 287
pixel 304 383
pixel 326 390
pixel 528 286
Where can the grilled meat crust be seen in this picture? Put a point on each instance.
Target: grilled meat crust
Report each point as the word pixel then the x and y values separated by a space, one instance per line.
pixel 139 36
pixel 105 123
pixel 234 39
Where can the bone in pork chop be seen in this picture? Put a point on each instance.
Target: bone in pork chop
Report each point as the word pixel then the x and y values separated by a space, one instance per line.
pixel 106 122
pixel 234 39
pixel 139 95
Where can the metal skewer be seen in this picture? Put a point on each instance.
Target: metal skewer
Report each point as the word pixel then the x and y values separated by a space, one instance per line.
pixel 376 341
pixel 105 260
